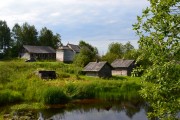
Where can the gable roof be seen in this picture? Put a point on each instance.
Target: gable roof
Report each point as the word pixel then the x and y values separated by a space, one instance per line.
pixel 75 48
pixel 121 63
pixel 95 66
pixel 39 49
pixel 64 48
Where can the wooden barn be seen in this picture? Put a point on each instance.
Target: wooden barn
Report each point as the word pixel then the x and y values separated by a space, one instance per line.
pixel 38 52
pixel 122 67
pixel 98 69
pixel 67 53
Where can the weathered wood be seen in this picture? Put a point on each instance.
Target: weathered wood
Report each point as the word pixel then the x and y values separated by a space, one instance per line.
pixel 98 69
pixel 122 67
pixel 47 74
pixel 67 53
pixel 38 52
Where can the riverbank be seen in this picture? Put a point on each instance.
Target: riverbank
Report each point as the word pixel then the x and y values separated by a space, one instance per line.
pixel 20 84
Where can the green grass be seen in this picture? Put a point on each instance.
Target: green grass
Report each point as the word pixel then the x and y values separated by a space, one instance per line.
pixel 9 96
pixel 19 78
pixel 54 95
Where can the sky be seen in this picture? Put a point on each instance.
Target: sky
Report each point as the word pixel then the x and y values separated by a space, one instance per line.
pixel 97 22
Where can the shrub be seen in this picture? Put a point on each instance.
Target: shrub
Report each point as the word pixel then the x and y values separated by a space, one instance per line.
pixel 5 73
pixel 86 91
pixel 71 90
pixel 63 75
pixel 54 95
pixel 9 96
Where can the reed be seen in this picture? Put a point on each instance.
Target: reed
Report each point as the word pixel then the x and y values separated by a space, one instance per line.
pixel 54 95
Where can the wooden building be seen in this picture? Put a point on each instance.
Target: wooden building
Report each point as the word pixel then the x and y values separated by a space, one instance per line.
pixel 38 52
pixel 122 67
pixel 98 69
pixel 43 74
pixel 67 53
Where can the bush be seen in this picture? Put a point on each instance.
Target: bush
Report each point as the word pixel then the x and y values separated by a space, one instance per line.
pixel 86 91
pixel 5 73
pixel 63 75
pixel 54 95
pixel 9 96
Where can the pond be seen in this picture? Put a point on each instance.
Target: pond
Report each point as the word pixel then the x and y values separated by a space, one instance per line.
pixel 86 110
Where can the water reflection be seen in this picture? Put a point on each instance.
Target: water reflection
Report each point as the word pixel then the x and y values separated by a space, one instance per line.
pixel 97 110
pixel 94 114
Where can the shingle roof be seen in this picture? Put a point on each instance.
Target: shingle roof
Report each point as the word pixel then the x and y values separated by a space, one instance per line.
pixel 95 66
pixel 121 63
pixel 64 48
pixel 39 49
pixel 75 48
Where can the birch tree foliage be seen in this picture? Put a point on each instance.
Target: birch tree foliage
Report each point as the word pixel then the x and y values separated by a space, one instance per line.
pixel 159 31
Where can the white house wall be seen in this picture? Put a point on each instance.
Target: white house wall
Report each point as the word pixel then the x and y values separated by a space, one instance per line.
pixel 65 55
pixel 60 55
pixel 25 55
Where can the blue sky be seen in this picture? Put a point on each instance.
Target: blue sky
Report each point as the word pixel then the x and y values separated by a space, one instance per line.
pixel 98 22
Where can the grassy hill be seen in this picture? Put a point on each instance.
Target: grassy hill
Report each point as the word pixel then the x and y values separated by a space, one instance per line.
pixel 19 83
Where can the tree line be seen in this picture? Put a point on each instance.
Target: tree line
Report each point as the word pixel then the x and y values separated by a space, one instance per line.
pixel 12 40
pixel 116 50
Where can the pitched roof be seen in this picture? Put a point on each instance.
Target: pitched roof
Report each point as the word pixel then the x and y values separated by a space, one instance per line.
pixel 39 49
pixel 121 63
pixel 95 66
pixel 64 48
pixel 75 48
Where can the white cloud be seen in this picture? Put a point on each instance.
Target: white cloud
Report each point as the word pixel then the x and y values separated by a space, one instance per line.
pixel 68 11
pixel 90 20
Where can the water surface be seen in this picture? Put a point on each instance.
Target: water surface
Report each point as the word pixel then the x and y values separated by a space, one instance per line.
pixel 89 109
pixel 97 110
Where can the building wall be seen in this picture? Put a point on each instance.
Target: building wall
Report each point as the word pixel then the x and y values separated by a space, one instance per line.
pixel 39 56
pixel 65 55
pixel 122 72
pixel 105 72
pixel 60 55
pixel 43 56
pixel 69 55
pixel 25 55
pixel 91 73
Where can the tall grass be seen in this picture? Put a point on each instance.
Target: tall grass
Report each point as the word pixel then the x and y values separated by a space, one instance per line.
pixel 19 83
pixel 54 95
pixel 105 89
pixel 9 96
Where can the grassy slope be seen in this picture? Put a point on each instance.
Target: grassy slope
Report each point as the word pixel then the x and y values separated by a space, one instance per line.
pixel 18 83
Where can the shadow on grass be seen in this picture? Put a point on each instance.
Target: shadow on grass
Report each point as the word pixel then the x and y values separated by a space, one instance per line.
pixel 118 78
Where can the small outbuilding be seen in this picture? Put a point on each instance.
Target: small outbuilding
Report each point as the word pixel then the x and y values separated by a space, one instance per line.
pixel 43 74
pixel 122 67
pixel 98 69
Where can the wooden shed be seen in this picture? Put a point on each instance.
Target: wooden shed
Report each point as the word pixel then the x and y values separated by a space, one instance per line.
pixel 122 67
pixel 67 53
pixel 38 52
pixel 98 69
pixel 44 74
